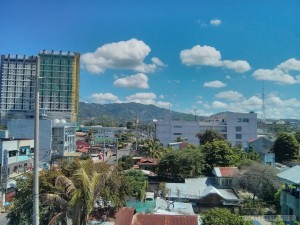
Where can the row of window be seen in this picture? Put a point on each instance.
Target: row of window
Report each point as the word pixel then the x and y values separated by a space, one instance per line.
pixel 243 120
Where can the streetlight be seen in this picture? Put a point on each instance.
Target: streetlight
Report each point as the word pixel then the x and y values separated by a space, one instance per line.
pixel 36 150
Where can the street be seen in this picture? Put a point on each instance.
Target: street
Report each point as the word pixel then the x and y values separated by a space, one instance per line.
pixel 3 220
pixel 121 152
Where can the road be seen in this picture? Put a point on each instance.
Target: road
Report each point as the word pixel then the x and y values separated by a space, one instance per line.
pixel 3 220
pixel 121 152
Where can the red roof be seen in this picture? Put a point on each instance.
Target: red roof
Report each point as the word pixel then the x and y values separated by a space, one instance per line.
pixel 124 216
pixel 147 161
pixel 228 171
pixel 158 219
pixel 81 144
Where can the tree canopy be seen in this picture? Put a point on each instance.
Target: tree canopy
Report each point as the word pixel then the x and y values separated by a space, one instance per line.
pixel 286 148
pixel 209 136
pixel 218 153
pixel 258 179
pixel 220 216
pixel 187 162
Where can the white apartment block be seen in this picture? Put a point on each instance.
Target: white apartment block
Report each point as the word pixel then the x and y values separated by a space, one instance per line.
pixel 59 85
pixel 237 128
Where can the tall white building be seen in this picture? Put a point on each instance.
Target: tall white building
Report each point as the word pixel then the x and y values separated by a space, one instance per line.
pixel 237 128
pixel 59 85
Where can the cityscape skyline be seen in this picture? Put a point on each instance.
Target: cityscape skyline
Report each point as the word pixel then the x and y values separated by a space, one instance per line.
pixel 211 56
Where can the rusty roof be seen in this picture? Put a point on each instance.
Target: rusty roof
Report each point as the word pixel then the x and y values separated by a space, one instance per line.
pixel 147 161
pixel 158 219
pixel 124 216
pixel 228 171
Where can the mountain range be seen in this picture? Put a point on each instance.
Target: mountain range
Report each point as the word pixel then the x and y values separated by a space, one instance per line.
pixel 124 112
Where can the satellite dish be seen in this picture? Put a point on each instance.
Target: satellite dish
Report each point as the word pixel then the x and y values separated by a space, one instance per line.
pixel 56 121
pixel 63 122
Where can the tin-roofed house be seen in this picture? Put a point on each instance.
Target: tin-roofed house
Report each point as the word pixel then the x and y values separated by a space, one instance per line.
pixel 290 195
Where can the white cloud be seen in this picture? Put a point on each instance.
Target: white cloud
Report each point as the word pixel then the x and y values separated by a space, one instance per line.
pixel 147 98
pixel 230 95
pixel 215 22
pixel 120 55
pixel 217 104
pixel 214 84
pixel 209 56
pixel 157 61
pixel 290 64
pixel 203 56
pixel 277 75
pixel 239 66
pixel 104 98
pixel 139 80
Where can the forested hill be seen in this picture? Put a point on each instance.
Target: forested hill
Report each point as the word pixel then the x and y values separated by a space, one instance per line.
pixel 124 112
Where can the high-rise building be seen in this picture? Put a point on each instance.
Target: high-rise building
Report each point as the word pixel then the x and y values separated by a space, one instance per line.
pixel 59 85
pixel 17 80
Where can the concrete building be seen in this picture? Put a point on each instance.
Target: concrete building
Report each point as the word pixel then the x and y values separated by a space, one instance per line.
pixel 290 195
pixel 237 128
pixel 57 137
pixel 59 85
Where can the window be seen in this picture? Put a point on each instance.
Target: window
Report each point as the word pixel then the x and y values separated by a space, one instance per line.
pixel 239 120
pixel 246 120
pixel 238 129
pixel 177 126
pixel 12 153
pixel 177 133
pixel 238 136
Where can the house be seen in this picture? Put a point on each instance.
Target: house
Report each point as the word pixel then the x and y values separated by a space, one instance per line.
pixel 203 193
pixel 263 145
pixel 126 216
pixel 225 175
pixel 148 164
pixel 290 195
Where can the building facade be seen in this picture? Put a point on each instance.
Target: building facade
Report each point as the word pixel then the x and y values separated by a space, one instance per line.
pixel 59 85
pixel 237 128
pixel 57 137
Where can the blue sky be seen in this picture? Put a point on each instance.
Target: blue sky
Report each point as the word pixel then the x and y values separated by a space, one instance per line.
pixel 207 55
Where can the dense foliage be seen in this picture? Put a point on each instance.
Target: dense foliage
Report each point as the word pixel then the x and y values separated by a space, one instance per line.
pixel 137 183
pixel 286 148
pixel 219 216
pixel 209 136
pixel 186 163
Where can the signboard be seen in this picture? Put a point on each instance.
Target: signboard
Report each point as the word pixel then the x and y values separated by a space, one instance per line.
pixel 4 174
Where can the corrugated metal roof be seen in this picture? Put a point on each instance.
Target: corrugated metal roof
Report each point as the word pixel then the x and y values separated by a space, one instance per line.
pixel 225 171
pixel 124 216
pixel 158 219
pixel 291 175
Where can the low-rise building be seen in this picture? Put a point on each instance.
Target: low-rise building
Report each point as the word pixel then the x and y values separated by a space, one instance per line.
pixel 237 128
pixel 290 195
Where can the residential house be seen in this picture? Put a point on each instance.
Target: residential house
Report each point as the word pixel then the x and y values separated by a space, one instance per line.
pixel 147 164
pixel 290 195
pixel 225 175
pixel 203 193
pixel 126 216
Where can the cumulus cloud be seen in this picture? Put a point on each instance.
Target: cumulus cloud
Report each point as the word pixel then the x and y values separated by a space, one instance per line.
pixel 281 73
pixel 139 80
pixel 215 22
pixel 276 75
pixel 217 104
pixel 214 84
pixel 120 55
pixel 209 56
pixel 104 98
pixel 147 98
pixel 230 95
pixel 290 64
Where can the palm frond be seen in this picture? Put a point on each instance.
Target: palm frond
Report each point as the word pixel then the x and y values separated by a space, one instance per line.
pixel 54 199
pixel 66 184
pixel 58 217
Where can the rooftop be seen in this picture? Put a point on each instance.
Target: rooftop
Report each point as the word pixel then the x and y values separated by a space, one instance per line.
pixel 291 175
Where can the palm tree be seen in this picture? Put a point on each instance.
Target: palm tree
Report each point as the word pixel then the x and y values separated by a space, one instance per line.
pixel 152 148
pixel 76 196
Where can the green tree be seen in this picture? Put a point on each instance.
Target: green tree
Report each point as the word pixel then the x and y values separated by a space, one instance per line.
pixel 220 216
pixel 21 205
pixel 217 153
pixel 278 221
pixel 151 148
pixel 209 136
pixel 297 135
pixel 286 148
pixel 187 162
pixel 137 183
pixel 125 162
pixel 260 180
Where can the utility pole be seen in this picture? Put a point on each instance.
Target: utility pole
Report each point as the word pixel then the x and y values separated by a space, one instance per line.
pixel 136 133
pixel 36 149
